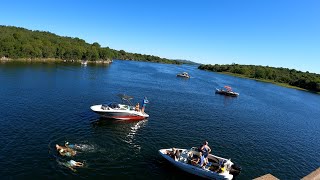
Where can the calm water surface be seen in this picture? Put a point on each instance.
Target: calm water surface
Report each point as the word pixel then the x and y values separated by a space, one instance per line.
pixel 267 129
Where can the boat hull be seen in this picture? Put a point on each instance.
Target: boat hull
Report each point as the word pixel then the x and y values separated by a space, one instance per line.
pixel 121 114
pixel 183 76
pixel 233 94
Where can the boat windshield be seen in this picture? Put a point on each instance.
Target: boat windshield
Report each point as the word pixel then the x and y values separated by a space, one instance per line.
pixel 113 105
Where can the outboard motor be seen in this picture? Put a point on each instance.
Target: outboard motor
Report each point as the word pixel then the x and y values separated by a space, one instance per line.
pixel 235 170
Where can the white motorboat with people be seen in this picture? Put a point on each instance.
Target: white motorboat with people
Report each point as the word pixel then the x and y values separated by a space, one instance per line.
pixel 120 111
pixel 216 167
pixel 183 74
pixel 227 91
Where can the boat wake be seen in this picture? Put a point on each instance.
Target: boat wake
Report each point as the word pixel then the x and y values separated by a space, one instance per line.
pixel 133 131
pixel 83 147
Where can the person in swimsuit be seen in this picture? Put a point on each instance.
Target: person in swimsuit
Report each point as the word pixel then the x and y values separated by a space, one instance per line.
pixel 65 151
pixel 72 164
pixel 205 149
pixel 72 146
pixel 137 108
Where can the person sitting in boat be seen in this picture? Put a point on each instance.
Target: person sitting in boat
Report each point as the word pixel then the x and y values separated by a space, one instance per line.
pixel 171 153
pixel 205 149
pixel 175 154
pixel 65 151
pixel 199 161
pixel 137 108
pixel 221 168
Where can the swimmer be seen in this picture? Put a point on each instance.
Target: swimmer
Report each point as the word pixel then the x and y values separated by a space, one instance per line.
pixel 72 146
pixel 72 164
pixel 65 151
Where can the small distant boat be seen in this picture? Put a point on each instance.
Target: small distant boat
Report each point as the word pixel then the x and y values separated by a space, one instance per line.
pixel 119 111
pixel 84 63
pixel 227 91
pixel 210 171
pixel 183 74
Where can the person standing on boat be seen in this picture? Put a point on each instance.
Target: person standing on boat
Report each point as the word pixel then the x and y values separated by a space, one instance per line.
pixel 205 149
pixel 144 103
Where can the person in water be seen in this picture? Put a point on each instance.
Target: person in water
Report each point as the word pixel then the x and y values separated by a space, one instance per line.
pixel 65 151
pixel 72 164
pixel 72 146
pixel 144 104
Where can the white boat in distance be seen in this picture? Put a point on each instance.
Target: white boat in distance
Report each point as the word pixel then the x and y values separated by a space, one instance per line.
pixel 119 111
pixel 210 171
pixel 183 74
pixel 227 91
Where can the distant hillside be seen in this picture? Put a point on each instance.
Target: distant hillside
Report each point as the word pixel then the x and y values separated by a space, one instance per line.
pixel 17 43
pixel 186 61
pixel 304 80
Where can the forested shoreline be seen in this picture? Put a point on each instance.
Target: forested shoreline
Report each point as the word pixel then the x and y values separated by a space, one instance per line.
pixel 20 43
pixel 304 80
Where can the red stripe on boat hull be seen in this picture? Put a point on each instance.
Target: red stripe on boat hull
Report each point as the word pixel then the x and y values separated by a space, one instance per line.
pixel 128 117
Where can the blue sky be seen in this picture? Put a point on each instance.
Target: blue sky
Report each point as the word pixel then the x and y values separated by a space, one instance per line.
pixel 277 33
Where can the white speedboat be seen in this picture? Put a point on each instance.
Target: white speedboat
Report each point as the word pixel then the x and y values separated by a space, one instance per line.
pixel 211 171
pixel 84 63
pixel 119 111
pixel 184 74
pixel 227 91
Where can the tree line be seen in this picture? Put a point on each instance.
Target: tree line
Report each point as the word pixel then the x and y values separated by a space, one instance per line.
pixel 17 43
pixel 305 80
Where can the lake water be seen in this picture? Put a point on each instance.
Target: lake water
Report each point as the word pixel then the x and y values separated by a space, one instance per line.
pixel 267 129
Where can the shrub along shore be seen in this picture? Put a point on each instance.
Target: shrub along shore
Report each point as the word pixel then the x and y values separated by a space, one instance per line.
pixel 281 76
pixel 51 60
